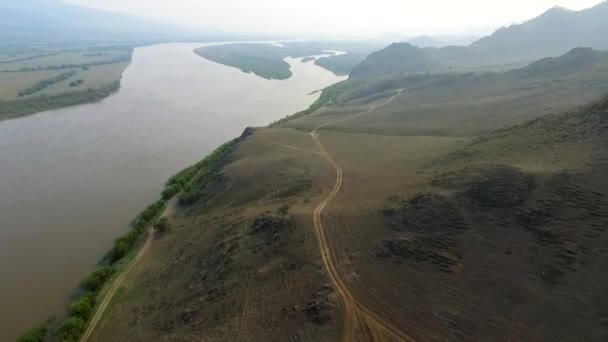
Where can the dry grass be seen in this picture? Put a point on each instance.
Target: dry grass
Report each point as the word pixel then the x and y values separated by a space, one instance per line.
pixel 498 236
pixel 218 280
pixel 520 270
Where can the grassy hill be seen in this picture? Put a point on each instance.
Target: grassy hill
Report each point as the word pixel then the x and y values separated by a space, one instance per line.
pixel 551 34
pixel 467 104
pixel 441 41
pixel 485 233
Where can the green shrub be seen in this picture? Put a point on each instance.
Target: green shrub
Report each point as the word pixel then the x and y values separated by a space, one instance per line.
pixel 189 197
pixel 128 239
pixel 97 279
pixel 35 334
pixel 83 307
pixel 163 225
pixel 151 211
pixel 119 250
pixel 171 190
pixel 138 225
pixel 71 329
pixel 183 176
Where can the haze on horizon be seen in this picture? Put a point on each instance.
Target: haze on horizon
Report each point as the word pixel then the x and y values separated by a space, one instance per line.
pixel 353 18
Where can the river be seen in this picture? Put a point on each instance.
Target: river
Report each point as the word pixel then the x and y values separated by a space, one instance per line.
pixel 72 179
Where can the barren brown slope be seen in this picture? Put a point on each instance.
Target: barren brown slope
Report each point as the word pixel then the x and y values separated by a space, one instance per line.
pixel 360 322
pixel 469 104
pixel 500 236
pixel 501 239
pixel 243 262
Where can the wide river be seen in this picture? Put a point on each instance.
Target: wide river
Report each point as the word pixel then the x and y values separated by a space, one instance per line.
pixel 72 179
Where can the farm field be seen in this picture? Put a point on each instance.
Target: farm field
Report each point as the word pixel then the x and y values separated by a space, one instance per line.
pixel 34 82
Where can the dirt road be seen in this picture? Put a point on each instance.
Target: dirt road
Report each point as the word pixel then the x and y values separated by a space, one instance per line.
pixel 169 209
pixel 360 322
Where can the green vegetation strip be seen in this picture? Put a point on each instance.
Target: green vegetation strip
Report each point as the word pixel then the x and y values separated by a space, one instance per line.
pixel 84 66
pixel 41 85
pixel 260 59
pixel 341 65
pixel 328 96
pixel 29 58
pixel 76 83
pixel 189 181
pixel 15 108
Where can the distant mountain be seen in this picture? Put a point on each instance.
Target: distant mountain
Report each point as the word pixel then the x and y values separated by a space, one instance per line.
pixel 574 78
pixel 52 22
pixel 551 34
pixel 441 41
pixel 577 60
pixel 394 59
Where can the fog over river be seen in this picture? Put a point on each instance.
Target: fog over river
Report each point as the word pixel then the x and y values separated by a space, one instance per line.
pixel 72 179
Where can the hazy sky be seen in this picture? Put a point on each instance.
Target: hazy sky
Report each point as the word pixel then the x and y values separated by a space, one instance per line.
pixel 339 17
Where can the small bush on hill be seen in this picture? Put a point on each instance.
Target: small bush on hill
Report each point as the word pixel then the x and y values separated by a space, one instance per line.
pixel 163 225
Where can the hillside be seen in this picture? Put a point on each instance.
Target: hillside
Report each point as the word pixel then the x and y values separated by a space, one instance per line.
pixel 441 41
pixel 467 104
pixel 551 34
pixel 352 222
pixel 558 29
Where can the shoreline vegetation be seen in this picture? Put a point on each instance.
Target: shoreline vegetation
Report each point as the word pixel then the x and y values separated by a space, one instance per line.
pixel 84 66
pixel 188 182
pixel 268 61
pixel 41 85
pixel 31 86
pixel 188 185
pixel 264 61
pixel 21 107
pixel 327 97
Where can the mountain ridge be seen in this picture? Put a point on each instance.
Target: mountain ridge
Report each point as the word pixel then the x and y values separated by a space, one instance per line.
pixel 52 22
pixel 551 34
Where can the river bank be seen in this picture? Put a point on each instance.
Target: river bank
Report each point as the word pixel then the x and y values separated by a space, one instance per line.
pixel 74 178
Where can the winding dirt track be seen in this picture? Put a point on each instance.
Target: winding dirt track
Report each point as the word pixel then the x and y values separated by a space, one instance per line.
pixel 360 322
pixel 106 299
pixel 170 207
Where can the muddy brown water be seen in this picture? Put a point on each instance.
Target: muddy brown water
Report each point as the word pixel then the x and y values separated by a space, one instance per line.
pixel 72 179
